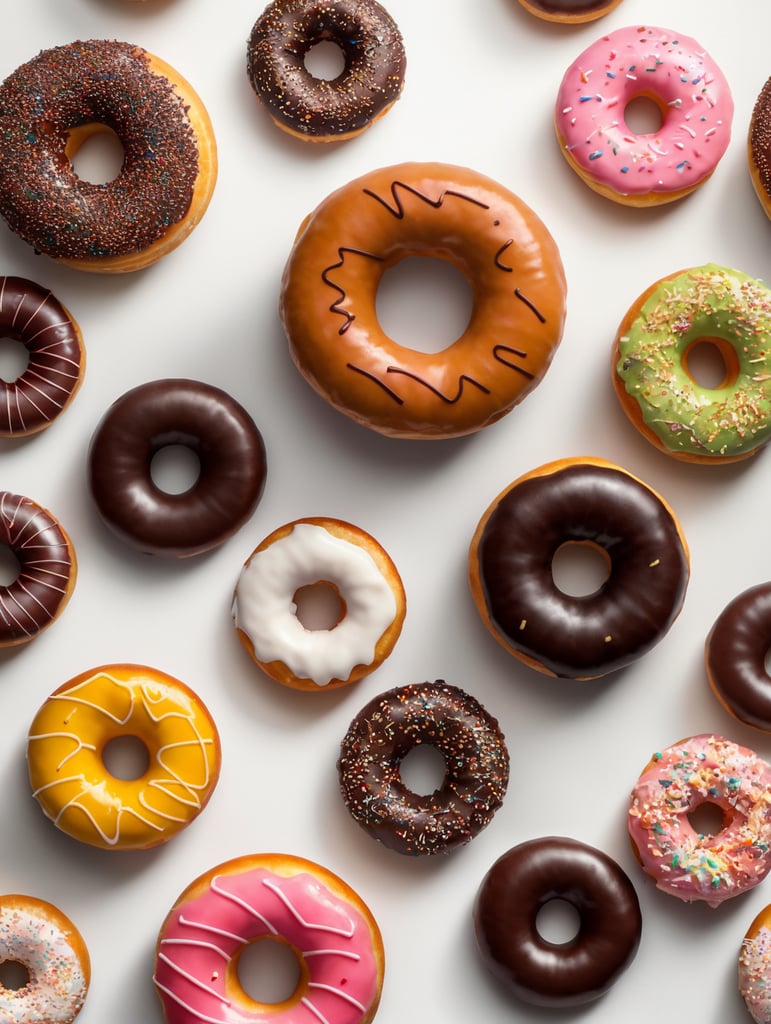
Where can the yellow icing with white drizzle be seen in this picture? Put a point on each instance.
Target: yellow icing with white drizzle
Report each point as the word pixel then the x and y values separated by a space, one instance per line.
pixel 65 755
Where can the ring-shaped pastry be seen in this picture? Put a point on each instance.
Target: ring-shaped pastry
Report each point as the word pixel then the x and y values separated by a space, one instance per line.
pixel 570 12
pixel 505 916
pixel 41 939
pixel 269 897
pixel 197 416
pixel 388 728
pixel 735 654
pixel 66 746
pixel 347 244
pixel 56 358
pixel 755 967
pixel 306 553
pixel 590 502
pixel 318 109
pixel 48 569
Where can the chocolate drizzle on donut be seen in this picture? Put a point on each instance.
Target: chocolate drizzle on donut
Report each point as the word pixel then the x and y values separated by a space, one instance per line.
pixel 398 211
pixel 95 82
pixel 325 277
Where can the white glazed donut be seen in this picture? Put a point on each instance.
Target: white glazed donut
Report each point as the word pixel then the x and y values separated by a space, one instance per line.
pixel 301 554
pixel 42 940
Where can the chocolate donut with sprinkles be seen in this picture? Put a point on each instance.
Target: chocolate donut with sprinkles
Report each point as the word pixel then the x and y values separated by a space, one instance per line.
pixel 386 730
pixel 56 362
pixel 52 104
pixel 317 109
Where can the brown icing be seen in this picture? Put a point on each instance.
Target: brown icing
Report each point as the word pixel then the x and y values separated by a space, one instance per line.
pixel 386 730
pixel 370 83
pixel 200 417
pixel 94 82
pixel 33 316
pixel 524 880
pixel 760 138
pixel 735 653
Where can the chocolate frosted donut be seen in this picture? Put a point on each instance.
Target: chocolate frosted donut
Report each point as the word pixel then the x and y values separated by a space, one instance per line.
pixel 735 654
pixel 520 884
pixel 218 430
pixel 476 763
pixel 313 108
pixel 573 11
pixel 47 569
pixel 589 502
pixel 759 147
pixel 56 359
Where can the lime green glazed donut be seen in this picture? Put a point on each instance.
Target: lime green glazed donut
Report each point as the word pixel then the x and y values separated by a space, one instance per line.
pixel 708 304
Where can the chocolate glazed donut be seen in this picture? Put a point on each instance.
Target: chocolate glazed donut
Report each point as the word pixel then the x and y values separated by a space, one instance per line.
pixel 735 656
pixel 218 430
pixel 313 108
pixel 573 11
pixel 506 909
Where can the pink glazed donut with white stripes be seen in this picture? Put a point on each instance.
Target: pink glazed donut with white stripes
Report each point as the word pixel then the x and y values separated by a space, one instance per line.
pixel 672 71
pixel 279 898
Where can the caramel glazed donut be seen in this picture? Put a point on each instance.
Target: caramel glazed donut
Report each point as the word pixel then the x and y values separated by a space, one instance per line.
pixel 315 109
pixel 505 917
pixel 56 359
pixel 589 502
pixel 349 242
pixel 476 768
pixel 52 104
pixel 200 417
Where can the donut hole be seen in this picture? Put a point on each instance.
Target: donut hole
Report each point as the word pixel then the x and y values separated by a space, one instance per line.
pixel 95 153
pixel 580 568
pixel 14 359
pixel 707 819
pixel 126 758
pixel 14 975
pixel 423 769
pixel 424 303
pixel 268 970
pixel 9 566
pixel 711 363
pixel 558 922
pixel 643 116
pixel 325 60
pixel 175 469
pixel 319 606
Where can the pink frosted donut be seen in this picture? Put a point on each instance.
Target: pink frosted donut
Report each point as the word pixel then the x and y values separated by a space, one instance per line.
pixel 281 898
pixel 675 73
pixel 705 769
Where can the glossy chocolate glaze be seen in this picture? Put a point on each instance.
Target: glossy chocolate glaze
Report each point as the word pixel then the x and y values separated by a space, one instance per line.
pixel 371 81
pixel 571 6
pixel 33 316
pixel 584 636
pixel 386 730
pixel 735 653
pixel 42 198
pixel 200 417
pixel 506 908
pixel 760 138
pixel 47 569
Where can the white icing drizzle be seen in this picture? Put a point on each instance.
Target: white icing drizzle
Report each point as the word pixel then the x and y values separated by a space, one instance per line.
pixel 264 607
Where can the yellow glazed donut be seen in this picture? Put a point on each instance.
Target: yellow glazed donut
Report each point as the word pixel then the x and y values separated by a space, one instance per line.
pixel 44 942
pixel 66 746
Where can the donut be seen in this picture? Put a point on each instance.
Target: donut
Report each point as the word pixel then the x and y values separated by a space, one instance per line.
pixel 704 769
pixel 505 918
pixel 759 147
pixel 342 251
pixel 302 554
pixel 67 771
pixel 52 104
pixel 43 941
pixel 672 71
pixel 48 569
pixel 735 657
pixel 586 501
pixel 755 967
pixel 210 423
pixel 316 109
pixel 569 12
pixel 708 305
pixel 269 897
pixel 476 768
pixel 56 359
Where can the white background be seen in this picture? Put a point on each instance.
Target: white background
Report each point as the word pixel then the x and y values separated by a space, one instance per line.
pixel 480 88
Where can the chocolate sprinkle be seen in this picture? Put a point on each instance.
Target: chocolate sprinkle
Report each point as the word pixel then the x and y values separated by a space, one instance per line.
pixel 760 137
